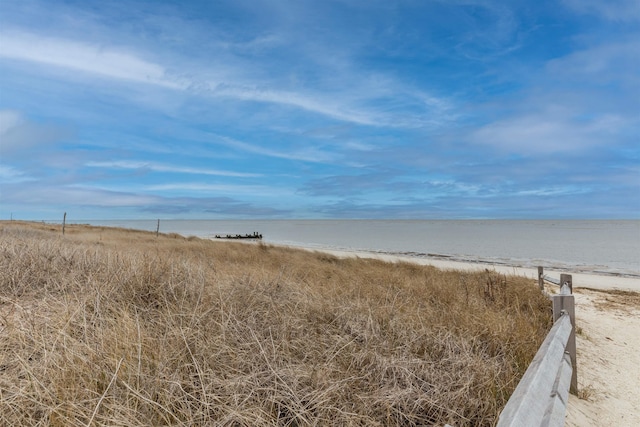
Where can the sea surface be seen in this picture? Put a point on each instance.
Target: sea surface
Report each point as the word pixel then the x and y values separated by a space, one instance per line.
pixel 581 246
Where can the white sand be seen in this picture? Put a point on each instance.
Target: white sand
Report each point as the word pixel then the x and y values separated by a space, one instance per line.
pixel 608 345
pixel 608 360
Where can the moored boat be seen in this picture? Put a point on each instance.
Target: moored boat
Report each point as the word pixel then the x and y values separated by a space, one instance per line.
pixel 255 235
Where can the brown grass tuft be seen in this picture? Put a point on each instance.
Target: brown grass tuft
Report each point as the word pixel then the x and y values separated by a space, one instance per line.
pixel 118 327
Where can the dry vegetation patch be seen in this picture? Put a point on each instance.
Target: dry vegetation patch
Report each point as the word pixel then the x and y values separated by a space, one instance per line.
pixel 626 301
pixel 111 326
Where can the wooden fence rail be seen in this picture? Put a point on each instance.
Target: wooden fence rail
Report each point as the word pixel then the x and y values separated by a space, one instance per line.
pixel 541 397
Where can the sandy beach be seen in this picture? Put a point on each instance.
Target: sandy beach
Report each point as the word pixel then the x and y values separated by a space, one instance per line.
pixel 608 341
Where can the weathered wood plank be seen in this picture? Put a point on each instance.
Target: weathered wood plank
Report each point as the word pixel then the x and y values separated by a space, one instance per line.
pixel 565 290
pixel 551 280
pixel 560 396
pixel 566 303
pixel 568 280
pixel 529 402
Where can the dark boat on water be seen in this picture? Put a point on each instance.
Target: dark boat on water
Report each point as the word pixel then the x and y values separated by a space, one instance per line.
pixel 255 235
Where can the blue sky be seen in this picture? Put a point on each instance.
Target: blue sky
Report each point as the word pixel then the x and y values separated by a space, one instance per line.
pixel 320 109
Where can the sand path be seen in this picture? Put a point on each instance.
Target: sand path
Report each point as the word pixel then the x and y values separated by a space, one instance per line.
pixel 608 346
pixel 608 342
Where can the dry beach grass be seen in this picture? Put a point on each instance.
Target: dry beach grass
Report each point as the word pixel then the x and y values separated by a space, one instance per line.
pixel 117 327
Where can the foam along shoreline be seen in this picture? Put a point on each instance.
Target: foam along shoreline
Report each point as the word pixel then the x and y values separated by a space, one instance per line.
pixel 580 280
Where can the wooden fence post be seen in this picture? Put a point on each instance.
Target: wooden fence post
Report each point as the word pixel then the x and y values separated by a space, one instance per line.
pixel 158 228
pixel 64 220
pixel 566 303
pixel 541 278
pixel 566 278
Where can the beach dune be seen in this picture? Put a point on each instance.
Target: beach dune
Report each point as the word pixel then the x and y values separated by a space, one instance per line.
pixel 608 342
pixel 111 324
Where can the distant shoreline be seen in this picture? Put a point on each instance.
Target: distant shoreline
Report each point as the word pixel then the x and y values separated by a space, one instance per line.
pixel 602 281
pixel 600 247
pixel 582 278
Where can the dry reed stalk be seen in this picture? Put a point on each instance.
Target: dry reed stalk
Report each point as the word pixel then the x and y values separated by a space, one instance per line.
pixel 211 333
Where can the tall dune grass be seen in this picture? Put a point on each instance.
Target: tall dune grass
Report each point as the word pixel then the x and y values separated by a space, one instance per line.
pixel 117 327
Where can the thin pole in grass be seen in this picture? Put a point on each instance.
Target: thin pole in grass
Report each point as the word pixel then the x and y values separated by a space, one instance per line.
pixel 158 228
pixel 64 221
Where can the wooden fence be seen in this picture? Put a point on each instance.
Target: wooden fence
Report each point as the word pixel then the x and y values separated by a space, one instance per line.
pixel 541 397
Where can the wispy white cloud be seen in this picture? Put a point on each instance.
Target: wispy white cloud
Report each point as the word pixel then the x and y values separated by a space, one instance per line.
pixel 551 191
pixel 580 101
pixel 85 199
pixel 377 103
pixel 232 81
pixel 309 154
pixel 311 103
pixel 232 189
pixel 601 64
pixel 40 194
pixel 95 59
pixel 256 44
pixel 613 10
pixel 19 135
pixel 547 132
pixel 158 167
pixel 9 120
pixel 11 175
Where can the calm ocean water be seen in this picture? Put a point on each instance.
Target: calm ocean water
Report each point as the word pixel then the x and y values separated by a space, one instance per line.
pixel 589 246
